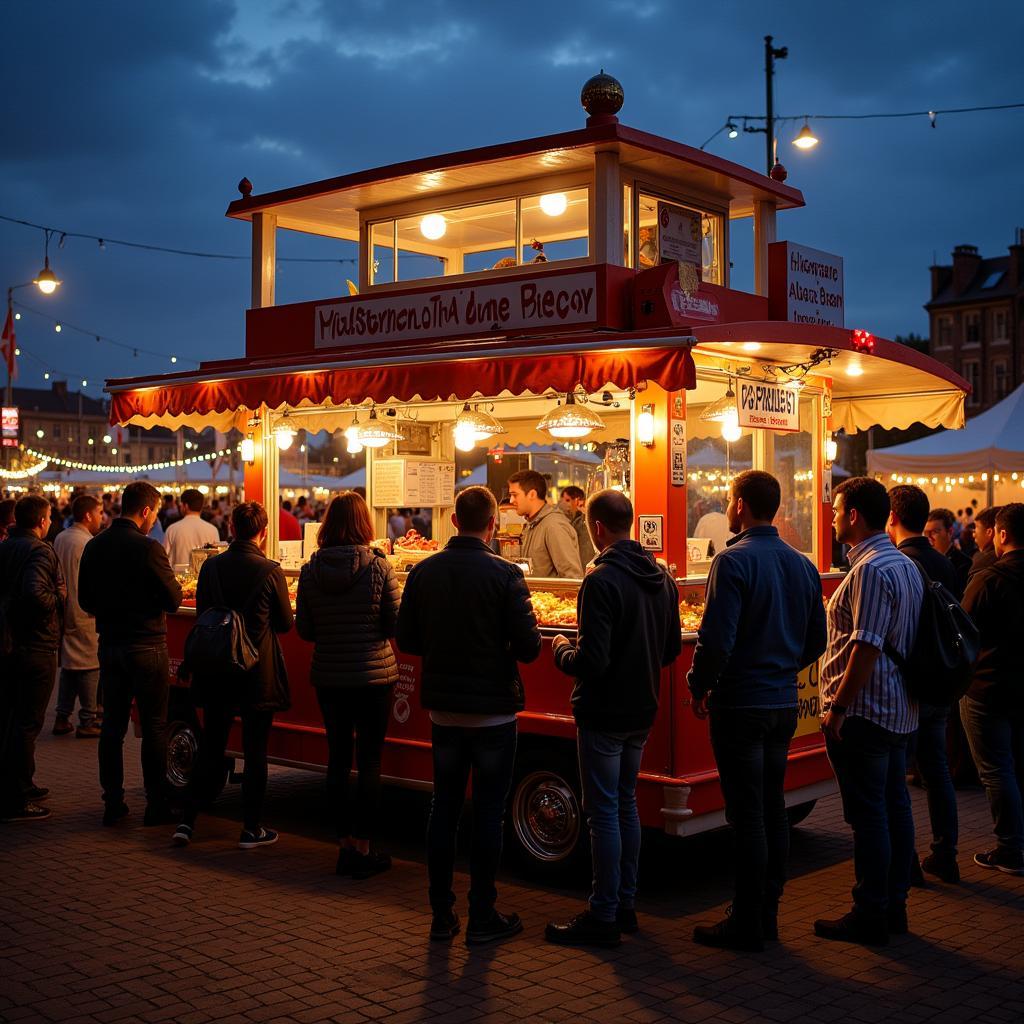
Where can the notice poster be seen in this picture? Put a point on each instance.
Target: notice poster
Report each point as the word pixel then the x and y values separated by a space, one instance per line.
pixel 677 442
pixel 651 531
pixel 808 703
pixel 679 234
pixel 805 285
pixel 767 406
pixel 409 483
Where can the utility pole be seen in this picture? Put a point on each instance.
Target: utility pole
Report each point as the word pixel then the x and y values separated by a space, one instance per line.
pixel 771 55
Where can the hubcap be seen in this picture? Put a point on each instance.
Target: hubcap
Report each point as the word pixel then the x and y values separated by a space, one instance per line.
pixel 546 816
pixel 182 750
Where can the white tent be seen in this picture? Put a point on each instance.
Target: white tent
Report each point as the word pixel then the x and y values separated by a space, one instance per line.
pixel 984 460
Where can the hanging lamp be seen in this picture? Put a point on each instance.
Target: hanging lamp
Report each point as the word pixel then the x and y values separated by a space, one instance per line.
pixel 374 433
pixel 570 420
pixel 472 425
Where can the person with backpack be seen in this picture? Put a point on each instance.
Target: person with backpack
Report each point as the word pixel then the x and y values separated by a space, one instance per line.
pixel 907 519
pixel 347 607
pixel 993 708
pixel 32 595
pixel 868 714
pixel 253 591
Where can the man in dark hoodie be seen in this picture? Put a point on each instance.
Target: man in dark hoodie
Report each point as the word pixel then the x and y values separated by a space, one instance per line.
pixel 628 614
pixel 985 536
pixel 764 621
pixel 993 710
pixel 467 612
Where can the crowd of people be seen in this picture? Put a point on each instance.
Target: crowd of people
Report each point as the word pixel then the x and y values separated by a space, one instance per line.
pixel 765 620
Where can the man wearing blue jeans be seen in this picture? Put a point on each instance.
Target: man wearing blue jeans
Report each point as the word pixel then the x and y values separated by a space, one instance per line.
pixel 763 622
pixel 993 709
pixel 472 689
pixel 628 615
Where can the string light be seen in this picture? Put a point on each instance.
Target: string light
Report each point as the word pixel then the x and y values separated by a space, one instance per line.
pixel 93 467
pixel 22 474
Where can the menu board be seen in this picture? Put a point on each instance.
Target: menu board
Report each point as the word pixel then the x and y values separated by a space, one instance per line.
pixel 412 483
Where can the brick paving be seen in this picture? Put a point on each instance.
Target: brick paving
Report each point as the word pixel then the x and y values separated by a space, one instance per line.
pixel 114 925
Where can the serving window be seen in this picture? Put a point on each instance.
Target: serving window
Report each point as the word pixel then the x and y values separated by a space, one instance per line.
pixel 647 248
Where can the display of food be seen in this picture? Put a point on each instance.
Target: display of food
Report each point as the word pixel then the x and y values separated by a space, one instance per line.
pixel 690 614
pixel 560 610
pixel 414 541
pixel 188 586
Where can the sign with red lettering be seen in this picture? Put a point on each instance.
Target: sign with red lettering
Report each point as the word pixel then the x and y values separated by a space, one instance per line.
pixel 513 305
pixel 766 406
pixel 9 428
pixel 679 235
pixel 805 286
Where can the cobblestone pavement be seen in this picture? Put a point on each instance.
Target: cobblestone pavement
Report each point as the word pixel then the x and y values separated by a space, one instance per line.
pixel 115 925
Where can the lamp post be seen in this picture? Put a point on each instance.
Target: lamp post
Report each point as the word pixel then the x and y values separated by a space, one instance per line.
pixel 771 55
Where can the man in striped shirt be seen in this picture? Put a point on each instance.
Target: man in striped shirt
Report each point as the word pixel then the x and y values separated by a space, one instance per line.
pixel 868 715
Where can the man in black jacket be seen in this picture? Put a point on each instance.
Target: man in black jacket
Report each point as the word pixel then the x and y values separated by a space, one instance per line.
pixel 985 537
pixel 467 613
pixel 126 582
pixel 907 520
pixel 938 530
pixel 993 709
pixel 33 591
pixel 628 615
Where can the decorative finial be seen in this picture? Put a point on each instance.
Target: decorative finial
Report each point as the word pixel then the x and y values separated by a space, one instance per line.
pixel 779 173
pixel 602 98
pixel 245 187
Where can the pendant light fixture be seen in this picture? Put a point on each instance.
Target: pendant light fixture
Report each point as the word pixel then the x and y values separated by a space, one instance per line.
pixel 46 280
pixel 571 420
pixel 352 443
pixel 375 433
pixel 284 434
pixel 724 411
pixel 472 425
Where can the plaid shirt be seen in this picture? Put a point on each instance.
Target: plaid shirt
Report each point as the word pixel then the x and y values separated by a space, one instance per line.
pixel 878 601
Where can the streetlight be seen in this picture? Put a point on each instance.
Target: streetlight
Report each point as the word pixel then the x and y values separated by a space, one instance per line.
pixel 806 139
pixel 46 280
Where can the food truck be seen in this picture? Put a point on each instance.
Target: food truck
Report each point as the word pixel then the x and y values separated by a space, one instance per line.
pixel 570 292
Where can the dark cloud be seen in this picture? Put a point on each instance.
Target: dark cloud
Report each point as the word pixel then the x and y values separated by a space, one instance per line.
pixel 136 120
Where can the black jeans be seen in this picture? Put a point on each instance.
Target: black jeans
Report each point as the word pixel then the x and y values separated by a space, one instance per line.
pixel 141 674
pixel 355 717
pixel 751 747
pixel 27 686
pixel 871 767
pixel 209 774
pixel 933 764
pixel 489 754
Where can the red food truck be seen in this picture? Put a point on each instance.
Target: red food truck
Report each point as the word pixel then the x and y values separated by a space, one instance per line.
pixel 563 303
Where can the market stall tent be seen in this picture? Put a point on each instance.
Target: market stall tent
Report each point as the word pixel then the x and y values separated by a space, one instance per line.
pixel 985 460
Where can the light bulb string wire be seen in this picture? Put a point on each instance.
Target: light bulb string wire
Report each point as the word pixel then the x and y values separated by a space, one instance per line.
pixel 94 467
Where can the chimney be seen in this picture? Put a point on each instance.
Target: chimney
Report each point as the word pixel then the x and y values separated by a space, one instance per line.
pixel 60 387
pixel 965 267
pixel 940 278
pixel 1016 272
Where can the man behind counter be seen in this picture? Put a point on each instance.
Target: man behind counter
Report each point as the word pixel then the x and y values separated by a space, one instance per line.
pixel 549 540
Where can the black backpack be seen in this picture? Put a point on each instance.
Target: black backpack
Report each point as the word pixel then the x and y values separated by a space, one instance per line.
pixel 938 668
pixel 7 599
pixel 218 643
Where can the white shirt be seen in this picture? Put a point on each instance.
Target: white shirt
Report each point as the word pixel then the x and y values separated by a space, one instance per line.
pixel 185 534
pixel 80 646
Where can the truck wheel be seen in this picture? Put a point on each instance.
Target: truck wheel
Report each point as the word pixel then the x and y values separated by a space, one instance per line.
pixel 798 812
pixel 182 752
pixel 547 831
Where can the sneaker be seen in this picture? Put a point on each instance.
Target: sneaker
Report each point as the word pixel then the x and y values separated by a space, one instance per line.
pixel 30 812
pixel 585 930
pixel 493 929
pixel 251 840
pixel 1010 862
pixel 36 793
pixel 896 919
pixel 625 918
pixel 182 835
pixel 945 868
pixel 88 732
pixel 62 726
pixel 730 933
pixel 853 927
pixel 444 926
pixel 114 813
pixel 366 865
pixel 159 814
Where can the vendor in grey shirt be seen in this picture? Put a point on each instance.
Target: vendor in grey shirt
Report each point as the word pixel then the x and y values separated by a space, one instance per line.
pixel 549 540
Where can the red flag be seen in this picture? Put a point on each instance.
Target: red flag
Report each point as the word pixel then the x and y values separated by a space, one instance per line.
pixel 9 346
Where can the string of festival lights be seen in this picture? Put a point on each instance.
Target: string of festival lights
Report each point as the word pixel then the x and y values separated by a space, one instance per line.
pixel 93 467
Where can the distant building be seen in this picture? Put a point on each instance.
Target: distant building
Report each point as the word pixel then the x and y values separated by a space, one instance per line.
pixel 977 321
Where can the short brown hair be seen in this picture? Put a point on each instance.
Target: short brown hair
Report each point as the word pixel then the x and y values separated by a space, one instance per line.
pixel 530 480
pixel 574 493
pixel 192 499
pixel 986 518
pixel 943 515
pixel 760 492
pixel 347 522
pixel 869 497
pixel 611 508
pixel 474 507
pixel 248 520
pixel 137 496
pixel 1009 518
pixel 909 504
pixel 83 505
pixel 30 511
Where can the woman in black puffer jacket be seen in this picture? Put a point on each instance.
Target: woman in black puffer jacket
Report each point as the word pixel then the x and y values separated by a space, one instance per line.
pixel 347 605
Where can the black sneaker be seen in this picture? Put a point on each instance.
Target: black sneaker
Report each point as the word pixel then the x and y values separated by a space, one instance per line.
pixel 853 928
pixel 585 930
pixel 182 835
pixel 444 926
pixel 945 868
pixel 366 865
pixel 159 814
pixel 896 918
pixel 625 918
pixel 493 929
pixel 1007 861
pixel 261 837
pixel 114 813
pixel 730 933
pixel 30 812
pixel 36 793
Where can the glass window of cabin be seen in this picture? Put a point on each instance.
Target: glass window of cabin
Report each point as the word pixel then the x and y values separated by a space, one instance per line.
pixel 555 226
pixel 627 224
pixel 789 457
pixel 712 247
pixel 382 249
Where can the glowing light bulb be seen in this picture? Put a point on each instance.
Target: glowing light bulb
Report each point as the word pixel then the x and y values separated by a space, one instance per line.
pixel 57 328
pixel 353 445
pixel 433 226
pixel 645 427
pixel 554 203
pixel 731 432
pixel 806 139
pixel 751 346
pixel 284 436
pixel 855 370
pixel 465 437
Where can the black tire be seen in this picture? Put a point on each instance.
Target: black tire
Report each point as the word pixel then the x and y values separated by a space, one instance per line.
pixel 546 831
pixel 183 737
pixel 798 812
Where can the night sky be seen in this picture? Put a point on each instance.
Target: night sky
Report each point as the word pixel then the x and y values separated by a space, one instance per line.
pixel 136 121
